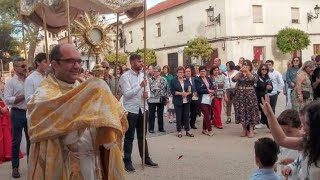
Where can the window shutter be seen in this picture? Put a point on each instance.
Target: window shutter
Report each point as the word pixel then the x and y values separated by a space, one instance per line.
pixel 257 13
pixel 295 15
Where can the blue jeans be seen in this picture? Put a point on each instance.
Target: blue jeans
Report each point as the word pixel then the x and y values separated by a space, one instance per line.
pixel 18 123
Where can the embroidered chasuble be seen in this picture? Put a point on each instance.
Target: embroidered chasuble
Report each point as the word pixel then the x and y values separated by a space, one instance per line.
pixel 75 131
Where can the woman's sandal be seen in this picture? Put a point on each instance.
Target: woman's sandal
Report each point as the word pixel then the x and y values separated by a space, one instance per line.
pixel 179 135
pixel 228 121
pixel 189 134
pixel 243 134
pixel 251 135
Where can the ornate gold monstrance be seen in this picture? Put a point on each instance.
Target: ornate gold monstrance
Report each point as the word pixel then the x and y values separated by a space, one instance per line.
pixel 93 37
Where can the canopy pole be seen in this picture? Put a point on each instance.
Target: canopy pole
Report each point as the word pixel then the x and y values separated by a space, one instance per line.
pixel 45 32
pixel 23 39
pixel 117 57
pixel 144 89
pixel 68 20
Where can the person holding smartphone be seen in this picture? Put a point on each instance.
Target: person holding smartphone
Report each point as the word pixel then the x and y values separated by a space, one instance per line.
pixel 264 86
pixel 246 103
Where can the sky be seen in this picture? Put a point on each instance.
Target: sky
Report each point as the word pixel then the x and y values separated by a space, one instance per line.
pixel 151 3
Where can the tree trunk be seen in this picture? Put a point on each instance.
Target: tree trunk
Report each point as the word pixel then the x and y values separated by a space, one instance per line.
pixel 33 44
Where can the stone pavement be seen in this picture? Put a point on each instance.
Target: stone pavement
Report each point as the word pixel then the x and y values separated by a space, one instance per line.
pixel 225 156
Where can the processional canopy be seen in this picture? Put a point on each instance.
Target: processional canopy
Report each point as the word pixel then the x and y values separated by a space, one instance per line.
pixel 55 10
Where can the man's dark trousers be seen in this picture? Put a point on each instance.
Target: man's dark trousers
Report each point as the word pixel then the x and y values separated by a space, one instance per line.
pixel 135 122
pixel 18 123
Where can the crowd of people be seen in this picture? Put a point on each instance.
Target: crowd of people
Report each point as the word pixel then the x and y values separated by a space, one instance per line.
pixel 65 128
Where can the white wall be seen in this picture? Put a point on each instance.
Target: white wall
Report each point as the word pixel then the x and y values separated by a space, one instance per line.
pixel 195 24
pixel 276 15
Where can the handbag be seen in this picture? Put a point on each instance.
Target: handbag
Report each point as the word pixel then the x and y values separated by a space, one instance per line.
pixel 305 94
pixel 164 100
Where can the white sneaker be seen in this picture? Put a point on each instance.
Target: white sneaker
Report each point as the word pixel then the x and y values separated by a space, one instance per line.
pixel 260 126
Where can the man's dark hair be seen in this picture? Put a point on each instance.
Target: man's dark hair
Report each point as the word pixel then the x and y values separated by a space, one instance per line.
pixel 317 58
pixel 290 118
pixel 135 57
pixel 55 53
pixel 255 61
pixel 270 61
pixel 266 150
pixel 39 57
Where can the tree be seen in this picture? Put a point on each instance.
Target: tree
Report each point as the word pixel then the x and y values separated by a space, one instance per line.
pixel 9 15
pixel 290 40
pixel 111 58
pixel 7 42
pixel 198 47
pixel 151 58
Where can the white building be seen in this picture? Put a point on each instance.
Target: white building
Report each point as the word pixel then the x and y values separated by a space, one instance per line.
pixel 247 29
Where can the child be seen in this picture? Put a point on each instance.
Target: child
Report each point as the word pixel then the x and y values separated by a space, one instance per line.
pixel 291 125
pixel 266 155
pixel 294 170
pixel 170 110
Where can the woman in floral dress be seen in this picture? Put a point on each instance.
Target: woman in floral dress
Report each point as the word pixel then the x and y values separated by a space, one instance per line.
pixel 246 103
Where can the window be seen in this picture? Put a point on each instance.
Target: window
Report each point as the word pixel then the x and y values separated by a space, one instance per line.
pixel 130 36
pixel 180 21
pixel 295 15
pixel 49 35
pixel 257 14
pixel 142 34
pixel 316 49
pixel 158 30
pixel 65 34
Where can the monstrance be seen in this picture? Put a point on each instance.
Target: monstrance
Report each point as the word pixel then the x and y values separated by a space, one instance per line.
pixel 93 37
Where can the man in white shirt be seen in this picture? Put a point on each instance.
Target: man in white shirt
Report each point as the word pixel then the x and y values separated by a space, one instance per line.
pixel 14 97
pixel 34 79
pixel 135 90
pixel 277 83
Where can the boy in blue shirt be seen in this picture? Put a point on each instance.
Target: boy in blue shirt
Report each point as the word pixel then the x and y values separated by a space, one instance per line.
pixel 266 155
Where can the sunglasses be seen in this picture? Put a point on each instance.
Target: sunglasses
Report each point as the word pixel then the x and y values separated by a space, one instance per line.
pixel 295 60
pixel 106 67
pixel 264 69
pixel 22 66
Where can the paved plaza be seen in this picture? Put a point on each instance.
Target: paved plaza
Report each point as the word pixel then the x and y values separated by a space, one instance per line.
pixel 225 156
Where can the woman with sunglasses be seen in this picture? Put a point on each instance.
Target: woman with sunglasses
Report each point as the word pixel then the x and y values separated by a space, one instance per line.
pixel 264 86
pixel 291 75
pixel 246 103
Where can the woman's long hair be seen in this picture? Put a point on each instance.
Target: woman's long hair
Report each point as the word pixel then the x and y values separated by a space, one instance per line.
pixel 312 138
pixel 259 70
pixel 115 70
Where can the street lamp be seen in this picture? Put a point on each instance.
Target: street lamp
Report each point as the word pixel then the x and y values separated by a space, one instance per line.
pixel 210 12
pixel 316 11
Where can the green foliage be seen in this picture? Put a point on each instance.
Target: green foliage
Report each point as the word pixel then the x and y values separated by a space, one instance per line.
pixel 9 16
pixel 111 58
pixel 7 42
pixel 289 40
pixel 151 58
pixel 198 47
